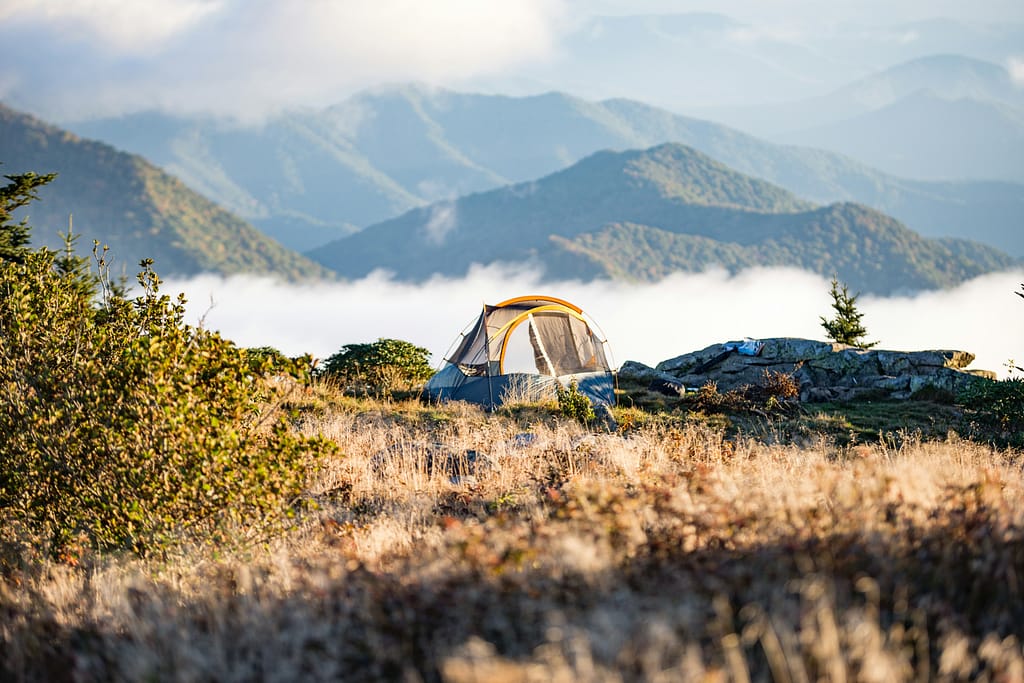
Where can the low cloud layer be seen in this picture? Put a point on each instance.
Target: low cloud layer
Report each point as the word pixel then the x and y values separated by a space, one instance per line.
pixel 643 322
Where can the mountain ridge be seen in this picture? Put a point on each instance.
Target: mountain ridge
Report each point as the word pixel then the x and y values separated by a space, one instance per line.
pixel 931 137
pixel 140 211
pixel 950 76
pixel 571 222
pixel 350 168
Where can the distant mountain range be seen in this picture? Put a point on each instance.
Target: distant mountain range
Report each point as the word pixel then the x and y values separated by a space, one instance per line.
pixel 308 177
pixel 945 76
pixel 682 60
pixel 135 208
pixel 639 215
pixel 687 61
pixel 931 137
pixel 943 117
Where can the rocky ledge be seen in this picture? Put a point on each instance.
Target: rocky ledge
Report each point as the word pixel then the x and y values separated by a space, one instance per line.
pixel 826 371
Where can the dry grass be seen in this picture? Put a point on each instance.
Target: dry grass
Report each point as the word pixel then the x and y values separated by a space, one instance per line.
pixel 453 545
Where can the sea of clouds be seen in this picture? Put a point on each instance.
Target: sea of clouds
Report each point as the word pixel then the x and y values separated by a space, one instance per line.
pixel 643 322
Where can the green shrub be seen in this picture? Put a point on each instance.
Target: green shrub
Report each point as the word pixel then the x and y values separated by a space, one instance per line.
pixel 999 405
pixel 124 428
pixel 380 367
pixel 574 404
pixel 266 360
pixel 934 394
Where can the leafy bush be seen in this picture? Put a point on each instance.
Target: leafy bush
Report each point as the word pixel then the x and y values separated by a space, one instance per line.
pixel 998 405
pixel 379 367
pixel 122 427
pixel 574 404
pixel 266 360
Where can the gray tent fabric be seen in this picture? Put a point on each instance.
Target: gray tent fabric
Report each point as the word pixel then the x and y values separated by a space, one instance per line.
pixel 560 342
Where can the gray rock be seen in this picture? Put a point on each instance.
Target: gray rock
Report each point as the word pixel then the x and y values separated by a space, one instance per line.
pixel 857 393
pixel 901 383
pixel 951 380
pixel 983 374
pixel 848 361
pixel 681 365
pixel 639 372
pixel 826 370
pixel 794 350
pixel 895 362
pixel 817 395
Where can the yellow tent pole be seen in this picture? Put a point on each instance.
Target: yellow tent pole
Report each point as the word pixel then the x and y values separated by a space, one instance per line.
pixel 539 297
pixel 511 325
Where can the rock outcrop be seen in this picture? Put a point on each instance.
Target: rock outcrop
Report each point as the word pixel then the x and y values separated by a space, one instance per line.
pixel 826 371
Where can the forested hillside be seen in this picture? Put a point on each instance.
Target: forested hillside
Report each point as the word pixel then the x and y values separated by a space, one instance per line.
pixel 125 202
pixel 641 215
pixel 313 175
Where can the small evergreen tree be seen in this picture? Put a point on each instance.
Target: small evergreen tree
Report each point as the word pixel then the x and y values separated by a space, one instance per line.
pixel 845 327
pixel 15 237
pixel 69 263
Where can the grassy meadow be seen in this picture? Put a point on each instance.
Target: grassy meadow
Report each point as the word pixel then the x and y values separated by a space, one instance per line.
pixel 441 543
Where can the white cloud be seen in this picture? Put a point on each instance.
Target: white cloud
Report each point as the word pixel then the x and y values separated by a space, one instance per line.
pixel 644 322
pixel 1015 65
pixel 766 33
pixel 248 57
pixel 124 26
pixel 908 37
pixel 443 219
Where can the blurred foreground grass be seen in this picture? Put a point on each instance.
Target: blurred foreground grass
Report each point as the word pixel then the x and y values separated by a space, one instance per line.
pixel 443 543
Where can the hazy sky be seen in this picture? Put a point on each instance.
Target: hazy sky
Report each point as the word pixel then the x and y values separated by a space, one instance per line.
pixel 68 59
pixel 809 12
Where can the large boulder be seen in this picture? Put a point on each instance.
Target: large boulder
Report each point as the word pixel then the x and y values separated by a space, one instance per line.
pixel 826 370
pixel 638 372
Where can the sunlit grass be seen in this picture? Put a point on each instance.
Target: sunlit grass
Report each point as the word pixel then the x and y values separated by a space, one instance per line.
pixel 449 544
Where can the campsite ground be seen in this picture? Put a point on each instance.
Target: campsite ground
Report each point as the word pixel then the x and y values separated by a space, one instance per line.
pixel 756 542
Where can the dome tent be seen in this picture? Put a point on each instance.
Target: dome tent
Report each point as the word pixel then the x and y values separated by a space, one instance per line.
pixel 525 347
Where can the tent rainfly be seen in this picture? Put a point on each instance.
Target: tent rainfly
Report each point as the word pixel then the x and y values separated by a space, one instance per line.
pixel 525 348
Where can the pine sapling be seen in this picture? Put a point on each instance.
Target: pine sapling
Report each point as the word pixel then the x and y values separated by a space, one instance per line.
pixel 846 326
